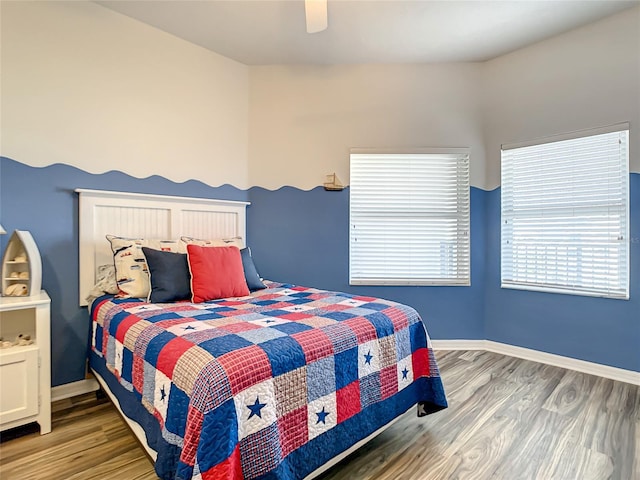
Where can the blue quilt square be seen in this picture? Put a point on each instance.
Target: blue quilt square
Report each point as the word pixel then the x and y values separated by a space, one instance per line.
pixel 418 336
pixel 219 443
pixel 403 344
pixel 178 402
pixel 285 354
pixel 98 338
pixel 111 350
pixel 382 324
pixel 221 345
pixel 207 316
pixel 116 321
pixel 332 298
pixel 370 389
pixel 300 301
pixel 214 307
pixel 155 345
pixel 127 365
pixel 321 378
pixel 249 317
pixel 292 327
pixel 346 367
pixel 265 303
pixel 128 300
pixel 375 306
pixel 138 395
pixel 339 316
pixel 164 316
pixel 149 385
pixel 275 313
pixel 283 298
pixel 301 294
pixel 359 311
pixel 342 337
pixel 261 335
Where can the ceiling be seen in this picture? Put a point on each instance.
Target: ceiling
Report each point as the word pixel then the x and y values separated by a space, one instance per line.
pixel 263 32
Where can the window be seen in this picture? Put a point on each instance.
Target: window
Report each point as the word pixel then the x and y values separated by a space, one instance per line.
pixel 565 220
pixel 409 218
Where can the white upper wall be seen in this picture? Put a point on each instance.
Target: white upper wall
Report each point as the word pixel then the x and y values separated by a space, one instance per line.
pixel 588 77
pixel 304 119
pixel 88 87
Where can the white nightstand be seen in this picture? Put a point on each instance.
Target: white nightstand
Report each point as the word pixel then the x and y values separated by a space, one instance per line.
pixel 25 371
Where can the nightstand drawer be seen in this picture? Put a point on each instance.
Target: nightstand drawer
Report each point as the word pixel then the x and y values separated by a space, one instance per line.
pixel 19 392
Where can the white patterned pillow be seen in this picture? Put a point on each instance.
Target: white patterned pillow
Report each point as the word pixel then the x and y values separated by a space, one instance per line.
pixel 216 242
pixel 106 279
pixel 132 274
pixel 105 282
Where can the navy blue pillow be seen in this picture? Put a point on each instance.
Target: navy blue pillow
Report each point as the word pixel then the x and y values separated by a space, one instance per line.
pixel 169 276
pixel 250 273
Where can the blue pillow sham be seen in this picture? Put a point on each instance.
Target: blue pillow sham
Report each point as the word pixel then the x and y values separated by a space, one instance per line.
pixel 169 276
pixel 250 273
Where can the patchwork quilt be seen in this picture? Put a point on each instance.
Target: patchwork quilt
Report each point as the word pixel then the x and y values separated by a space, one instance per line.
pixel 268 386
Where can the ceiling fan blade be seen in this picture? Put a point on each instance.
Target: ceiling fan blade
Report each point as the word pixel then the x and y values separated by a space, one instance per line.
pixel 316 13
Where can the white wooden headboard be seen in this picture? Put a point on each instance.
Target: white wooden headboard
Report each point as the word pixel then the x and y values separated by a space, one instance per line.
pixel 140 215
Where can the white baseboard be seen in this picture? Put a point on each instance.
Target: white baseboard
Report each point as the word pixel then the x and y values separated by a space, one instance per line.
pixel 613 373
pixel 72 389
pixel 458 344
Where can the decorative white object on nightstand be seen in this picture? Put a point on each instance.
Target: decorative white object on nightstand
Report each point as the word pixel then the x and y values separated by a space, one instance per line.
pixel 25 369
pixel 21 266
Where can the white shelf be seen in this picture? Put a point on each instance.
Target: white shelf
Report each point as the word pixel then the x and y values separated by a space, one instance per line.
pixel 21 245
pixel 20 303
pixel 18 349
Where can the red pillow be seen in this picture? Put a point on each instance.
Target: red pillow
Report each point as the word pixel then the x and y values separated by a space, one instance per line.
pixel 216 272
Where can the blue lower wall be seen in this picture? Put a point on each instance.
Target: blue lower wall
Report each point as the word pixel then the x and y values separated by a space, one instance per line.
pixel 302 237
pixel 598 330
pixel 42 200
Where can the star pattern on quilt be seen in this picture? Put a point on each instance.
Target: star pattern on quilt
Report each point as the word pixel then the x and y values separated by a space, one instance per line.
pixel 322 416
pixel 256 408
pixel 342 354
pixel 368 357
pixel 353 302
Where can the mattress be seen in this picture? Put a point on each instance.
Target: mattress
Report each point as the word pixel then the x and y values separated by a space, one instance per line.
pixel 269 386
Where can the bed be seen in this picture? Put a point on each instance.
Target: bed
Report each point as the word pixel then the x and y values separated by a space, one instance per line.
pixel 278 384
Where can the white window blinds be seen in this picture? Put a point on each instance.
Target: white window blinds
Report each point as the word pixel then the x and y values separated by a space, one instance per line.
pixel 565 215
pixel 409 218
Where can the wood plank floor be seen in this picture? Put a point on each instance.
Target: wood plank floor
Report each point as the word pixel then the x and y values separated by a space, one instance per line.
pixel 508 419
